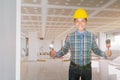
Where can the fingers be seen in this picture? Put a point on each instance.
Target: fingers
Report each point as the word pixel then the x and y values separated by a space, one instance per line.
pixel 52 54
pixel 108 53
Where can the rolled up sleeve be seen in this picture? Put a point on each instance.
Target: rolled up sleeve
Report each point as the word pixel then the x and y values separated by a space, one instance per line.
pixel 96 49
pixel 64 49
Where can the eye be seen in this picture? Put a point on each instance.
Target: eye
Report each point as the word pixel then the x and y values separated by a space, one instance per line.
pixel 83 21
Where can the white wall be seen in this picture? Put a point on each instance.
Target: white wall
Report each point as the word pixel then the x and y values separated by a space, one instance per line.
pixel 115 54
pixel 58 44
pixel 44 44
pixel 8 39
pixel 115 44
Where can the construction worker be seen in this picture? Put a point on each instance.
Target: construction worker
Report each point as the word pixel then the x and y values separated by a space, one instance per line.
pixel 80 42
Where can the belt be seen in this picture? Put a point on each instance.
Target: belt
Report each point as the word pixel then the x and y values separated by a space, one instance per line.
pixel 72 64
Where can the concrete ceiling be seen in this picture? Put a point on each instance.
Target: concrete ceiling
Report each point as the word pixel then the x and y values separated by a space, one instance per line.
pixel 52 19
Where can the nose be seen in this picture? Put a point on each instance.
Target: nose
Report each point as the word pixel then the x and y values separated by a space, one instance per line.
pixel 80 22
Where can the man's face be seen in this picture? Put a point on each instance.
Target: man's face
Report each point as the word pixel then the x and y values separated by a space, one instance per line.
pixel 80 24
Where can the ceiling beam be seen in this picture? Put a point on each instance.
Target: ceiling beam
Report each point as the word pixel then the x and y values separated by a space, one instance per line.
pixel 67 16
pixel 102 8
pixel 31 5
pixel 107 25
pixel 44 16
pixel 72 7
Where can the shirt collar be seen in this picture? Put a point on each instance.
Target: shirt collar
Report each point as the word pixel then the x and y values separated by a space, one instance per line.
pixel 83 33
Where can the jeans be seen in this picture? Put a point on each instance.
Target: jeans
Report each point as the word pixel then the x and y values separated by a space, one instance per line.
pixel 76 71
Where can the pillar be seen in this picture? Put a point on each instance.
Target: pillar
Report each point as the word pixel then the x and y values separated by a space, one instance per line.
pixel 103 64
pixel 8 39
pixel 101 41
pixel 33 48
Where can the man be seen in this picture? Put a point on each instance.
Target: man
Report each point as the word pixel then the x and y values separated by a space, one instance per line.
pixel 81 42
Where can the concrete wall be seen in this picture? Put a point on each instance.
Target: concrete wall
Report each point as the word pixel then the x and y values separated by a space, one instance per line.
pixel 8 39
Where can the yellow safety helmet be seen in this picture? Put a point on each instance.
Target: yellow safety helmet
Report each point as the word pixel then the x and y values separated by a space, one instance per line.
pixel 80 13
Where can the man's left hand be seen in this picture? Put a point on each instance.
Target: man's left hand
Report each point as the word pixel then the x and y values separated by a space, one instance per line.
pixel 108 53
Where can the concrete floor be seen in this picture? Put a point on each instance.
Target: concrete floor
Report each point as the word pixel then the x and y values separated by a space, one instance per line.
pixel 46 68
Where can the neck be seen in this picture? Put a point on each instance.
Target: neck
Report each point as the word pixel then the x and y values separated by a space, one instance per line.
pixel 81 31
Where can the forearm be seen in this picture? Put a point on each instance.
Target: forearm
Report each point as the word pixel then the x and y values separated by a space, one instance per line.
pixel 99 52
pixel 61 52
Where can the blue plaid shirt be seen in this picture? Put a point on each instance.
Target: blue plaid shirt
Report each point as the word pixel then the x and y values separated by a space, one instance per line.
pixel 80 45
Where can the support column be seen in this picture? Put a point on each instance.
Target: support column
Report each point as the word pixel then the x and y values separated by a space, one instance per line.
pixel 103 64
pixel 101 41
pixel 8 51
pixel 32 46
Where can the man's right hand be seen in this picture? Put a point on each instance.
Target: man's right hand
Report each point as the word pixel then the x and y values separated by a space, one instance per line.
pixel 52 54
